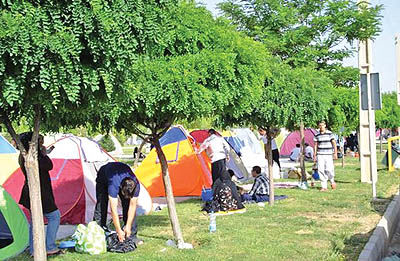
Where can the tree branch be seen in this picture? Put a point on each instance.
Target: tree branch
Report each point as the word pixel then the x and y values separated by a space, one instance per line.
pixel 36 126
pixel 12 132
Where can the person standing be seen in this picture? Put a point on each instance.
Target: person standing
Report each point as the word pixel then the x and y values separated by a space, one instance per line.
pixel 325 151
pixel 49 207
pixel 218 151
pixel 117 179
pixel 274 146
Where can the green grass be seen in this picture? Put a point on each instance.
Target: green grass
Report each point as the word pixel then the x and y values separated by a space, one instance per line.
pixel 309 225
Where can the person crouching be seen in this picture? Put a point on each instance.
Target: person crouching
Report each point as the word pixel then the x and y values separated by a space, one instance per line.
pixel 117 179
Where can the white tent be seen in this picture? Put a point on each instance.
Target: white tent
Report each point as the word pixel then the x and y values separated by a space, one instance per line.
pixel 252 153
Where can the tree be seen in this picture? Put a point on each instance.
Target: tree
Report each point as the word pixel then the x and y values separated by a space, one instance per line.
pixel 59 61
pixel 389 116
pixel 206 68
pixel 308 33
pixel 290 98
pixel 343 111
pixel 343 114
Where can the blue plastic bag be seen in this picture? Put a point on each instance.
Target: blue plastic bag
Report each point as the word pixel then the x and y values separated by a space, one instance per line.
pixel 206 194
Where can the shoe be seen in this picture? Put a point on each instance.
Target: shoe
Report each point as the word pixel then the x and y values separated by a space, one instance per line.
pixel 323 189
pixel 54 252
pixel 333 185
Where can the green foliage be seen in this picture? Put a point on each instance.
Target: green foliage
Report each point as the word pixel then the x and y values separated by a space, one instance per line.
pixel 120 136
pixel 106 143
pixel 67 56
pixel 389 116
pixel 307 33
pixel 289 96
pixel 209 70
pixel 344 110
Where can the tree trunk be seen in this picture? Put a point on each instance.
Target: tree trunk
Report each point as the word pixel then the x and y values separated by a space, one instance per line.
pixel 302 165
pixel 32 172
pixel 139 152
pixel 270 169
pixel 380 140
pixel 168 192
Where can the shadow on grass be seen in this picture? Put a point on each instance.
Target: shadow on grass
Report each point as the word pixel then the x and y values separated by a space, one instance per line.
pixel 343 182
pixel 354 244
pixel 154 220
pixel 380 204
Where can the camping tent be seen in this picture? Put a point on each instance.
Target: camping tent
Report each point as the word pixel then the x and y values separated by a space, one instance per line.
pixel 189 172
pixel 75 164
pixel 294 138
pixel 8 159
pixel 252 152
pixel 14 230
pixel 235 162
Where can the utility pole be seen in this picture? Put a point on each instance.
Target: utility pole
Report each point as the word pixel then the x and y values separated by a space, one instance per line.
pixel 367 143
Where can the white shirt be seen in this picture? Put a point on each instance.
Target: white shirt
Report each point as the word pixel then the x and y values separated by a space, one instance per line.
pixel 309 152
pixel 294 155
pixel 216 147
pixel 273 142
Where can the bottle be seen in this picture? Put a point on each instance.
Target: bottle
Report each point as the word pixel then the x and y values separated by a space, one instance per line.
pixel 213 222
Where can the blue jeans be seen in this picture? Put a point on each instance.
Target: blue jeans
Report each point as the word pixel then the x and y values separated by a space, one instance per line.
pixel 256 198
pixel 53 219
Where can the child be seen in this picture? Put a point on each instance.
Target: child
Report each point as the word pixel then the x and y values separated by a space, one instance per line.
pixel 260 190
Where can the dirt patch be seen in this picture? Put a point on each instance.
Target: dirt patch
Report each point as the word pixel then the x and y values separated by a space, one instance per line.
pixel 304 232
pixel 366 222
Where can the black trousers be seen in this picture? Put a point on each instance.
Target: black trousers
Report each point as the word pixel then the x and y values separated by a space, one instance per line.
pixel 217 168
pixel 100 212
pixel 275 157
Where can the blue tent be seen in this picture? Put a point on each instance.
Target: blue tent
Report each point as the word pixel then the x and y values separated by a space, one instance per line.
pixel 6 147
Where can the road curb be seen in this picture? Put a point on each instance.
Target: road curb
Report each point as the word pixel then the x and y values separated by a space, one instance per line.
pixel 377 245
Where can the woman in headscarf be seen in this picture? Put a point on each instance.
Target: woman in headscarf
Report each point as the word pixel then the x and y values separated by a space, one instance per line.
pixel 50 210
pixel 225 194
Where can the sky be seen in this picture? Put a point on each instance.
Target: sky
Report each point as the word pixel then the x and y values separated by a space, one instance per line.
pixel 383 53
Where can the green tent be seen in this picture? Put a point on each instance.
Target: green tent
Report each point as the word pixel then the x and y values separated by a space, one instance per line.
pixel 14 230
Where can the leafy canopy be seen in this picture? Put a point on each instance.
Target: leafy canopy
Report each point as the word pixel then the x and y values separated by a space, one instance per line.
pixel 307 33
pixel 208 69
pixel 389 116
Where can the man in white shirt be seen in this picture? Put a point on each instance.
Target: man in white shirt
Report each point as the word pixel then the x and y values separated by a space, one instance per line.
pixel 308 152
pixel 218 151
pixel 294 155
pixel 325 151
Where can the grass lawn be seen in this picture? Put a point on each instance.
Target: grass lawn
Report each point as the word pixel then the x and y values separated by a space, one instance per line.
pixel 309 225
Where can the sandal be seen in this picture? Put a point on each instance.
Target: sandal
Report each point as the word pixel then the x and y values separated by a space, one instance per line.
pixel 54 252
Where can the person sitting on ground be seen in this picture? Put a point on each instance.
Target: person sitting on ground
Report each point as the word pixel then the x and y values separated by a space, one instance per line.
pixel 295 154
pixel 308 152
pixel 225 194
pixel 117 179
pixel 260 190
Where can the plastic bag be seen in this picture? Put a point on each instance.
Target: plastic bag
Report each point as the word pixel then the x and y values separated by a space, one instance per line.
pixel 113 244
pixel 90 239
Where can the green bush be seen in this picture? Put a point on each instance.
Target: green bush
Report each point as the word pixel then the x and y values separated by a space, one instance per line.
pixel 106 143
pixel 121 136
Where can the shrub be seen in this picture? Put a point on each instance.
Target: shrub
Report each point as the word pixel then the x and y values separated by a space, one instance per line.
pixel 106 143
